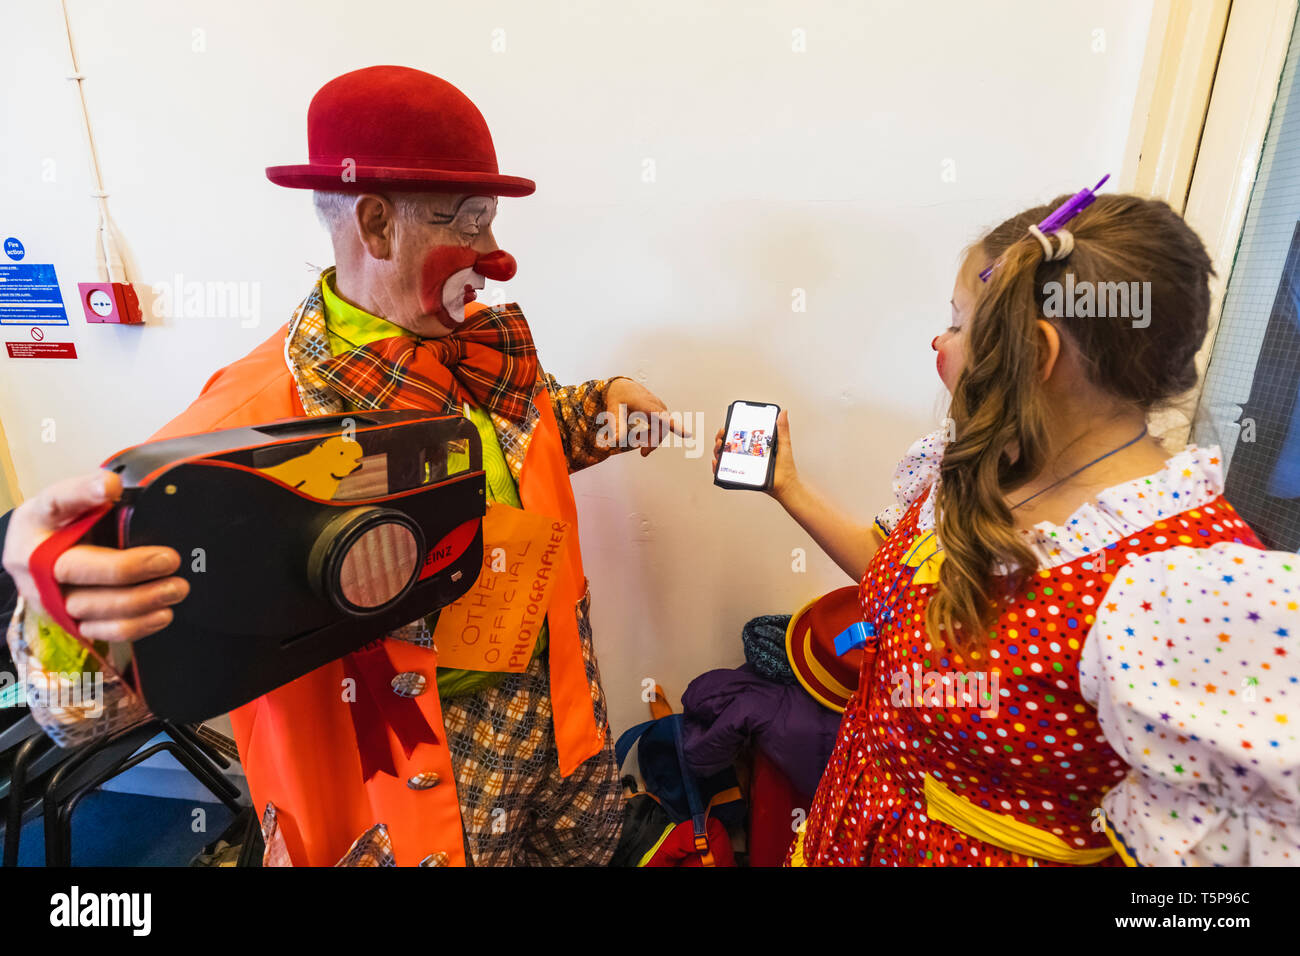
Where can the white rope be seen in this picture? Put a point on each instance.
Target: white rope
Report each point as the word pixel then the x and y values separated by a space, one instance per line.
pixel 107 258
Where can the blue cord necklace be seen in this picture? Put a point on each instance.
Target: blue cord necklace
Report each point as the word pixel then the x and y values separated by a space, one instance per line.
pixel 857 634
pixel 1134 440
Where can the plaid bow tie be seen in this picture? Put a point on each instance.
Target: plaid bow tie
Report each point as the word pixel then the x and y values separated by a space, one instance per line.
pixel 490 361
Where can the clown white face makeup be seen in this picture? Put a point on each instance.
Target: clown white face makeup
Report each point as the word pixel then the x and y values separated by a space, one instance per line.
pixel 441 253
pixel 454 271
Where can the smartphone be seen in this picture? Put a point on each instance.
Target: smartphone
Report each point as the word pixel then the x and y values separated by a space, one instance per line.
pixel 748 454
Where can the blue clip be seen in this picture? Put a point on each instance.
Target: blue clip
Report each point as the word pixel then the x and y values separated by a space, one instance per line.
pixel 853 637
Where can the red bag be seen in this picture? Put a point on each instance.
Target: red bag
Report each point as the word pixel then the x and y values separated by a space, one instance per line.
pixel 773 802
pixel 678 848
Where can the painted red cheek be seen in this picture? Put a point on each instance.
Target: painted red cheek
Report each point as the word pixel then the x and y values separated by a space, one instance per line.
pixel 938 364
pixel 439 266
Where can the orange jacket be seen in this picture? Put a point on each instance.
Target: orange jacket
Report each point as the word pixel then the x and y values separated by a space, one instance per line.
pixel 297 743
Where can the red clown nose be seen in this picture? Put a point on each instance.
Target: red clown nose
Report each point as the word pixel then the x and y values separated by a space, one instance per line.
pixel 498 266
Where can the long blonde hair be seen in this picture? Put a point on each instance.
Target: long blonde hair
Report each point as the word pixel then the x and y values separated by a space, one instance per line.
pixel 999 407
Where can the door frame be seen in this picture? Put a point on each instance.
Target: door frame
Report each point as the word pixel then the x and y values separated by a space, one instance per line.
pixel 1209 81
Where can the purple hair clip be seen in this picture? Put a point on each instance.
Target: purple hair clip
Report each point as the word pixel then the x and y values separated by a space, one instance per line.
pixel 1061 215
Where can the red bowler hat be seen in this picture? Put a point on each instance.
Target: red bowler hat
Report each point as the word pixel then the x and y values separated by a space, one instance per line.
pixel 810 646
pixel 395 128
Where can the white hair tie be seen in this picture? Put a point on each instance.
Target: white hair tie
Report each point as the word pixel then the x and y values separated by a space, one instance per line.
pixel 1065 246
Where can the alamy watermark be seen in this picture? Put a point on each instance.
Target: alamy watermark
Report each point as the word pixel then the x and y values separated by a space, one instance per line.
pixel 624 429
pixel 918 688
pixel 66 690
pixel 1101 300
pixel 193 299
pixel 75 908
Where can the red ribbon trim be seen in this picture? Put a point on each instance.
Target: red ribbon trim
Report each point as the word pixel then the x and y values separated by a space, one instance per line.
pixel 378 708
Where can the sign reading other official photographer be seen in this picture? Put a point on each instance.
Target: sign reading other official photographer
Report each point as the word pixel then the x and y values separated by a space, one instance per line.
pixel 494 627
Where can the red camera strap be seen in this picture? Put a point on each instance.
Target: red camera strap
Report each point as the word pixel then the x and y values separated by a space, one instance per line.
pixel 41 566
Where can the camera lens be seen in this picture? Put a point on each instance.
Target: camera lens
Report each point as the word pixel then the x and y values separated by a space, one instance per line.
pixel 367 558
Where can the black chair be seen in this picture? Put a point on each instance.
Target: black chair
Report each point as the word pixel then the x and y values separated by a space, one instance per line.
pixel 95 764
pixel 75 772
pixel 35 754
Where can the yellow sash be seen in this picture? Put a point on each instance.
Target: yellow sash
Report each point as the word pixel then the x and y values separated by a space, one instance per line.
pixel 1002 830
pixel 996 829
pixel 797 857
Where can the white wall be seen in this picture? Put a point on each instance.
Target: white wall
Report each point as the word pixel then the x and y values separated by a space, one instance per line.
pixel 776 171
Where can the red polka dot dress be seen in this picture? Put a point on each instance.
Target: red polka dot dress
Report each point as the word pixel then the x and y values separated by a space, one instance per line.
pixel 1004 728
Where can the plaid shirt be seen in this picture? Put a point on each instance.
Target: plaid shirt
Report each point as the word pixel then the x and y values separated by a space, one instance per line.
pixel 576 406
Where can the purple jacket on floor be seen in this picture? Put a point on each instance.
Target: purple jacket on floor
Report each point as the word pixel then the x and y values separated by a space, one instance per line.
pixel 725 709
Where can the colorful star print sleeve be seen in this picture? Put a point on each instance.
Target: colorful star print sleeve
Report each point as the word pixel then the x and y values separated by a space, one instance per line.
pixel 1194 668
pixel 916 472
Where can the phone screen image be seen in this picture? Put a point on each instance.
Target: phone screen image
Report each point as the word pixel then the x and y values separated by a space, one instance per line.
pixel 747 444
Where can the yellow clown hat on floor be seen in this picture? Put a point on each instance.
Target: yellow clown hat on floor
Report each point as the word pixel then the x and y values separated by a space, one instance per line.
pixel 810 646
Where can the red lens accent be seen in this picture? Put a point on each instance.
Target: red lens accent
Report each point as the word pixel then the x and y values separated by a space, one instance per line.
pixel 451 547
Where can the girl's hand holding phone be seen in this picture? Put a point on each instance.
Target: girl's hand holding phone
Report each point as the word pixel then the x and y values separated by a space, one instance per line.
pixel 784 475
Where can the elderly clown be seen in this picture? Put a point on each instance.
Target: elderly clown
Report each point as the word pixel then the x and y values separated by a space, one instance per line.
pixel 519 767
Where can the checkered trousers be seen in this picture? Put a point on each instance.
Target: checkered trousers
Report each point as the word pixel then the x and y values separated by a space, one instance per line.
pixel 516 808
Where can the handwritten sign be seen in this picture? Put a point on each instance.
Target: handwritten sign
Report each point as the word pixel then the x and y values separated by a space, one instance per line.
pixel 494 626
